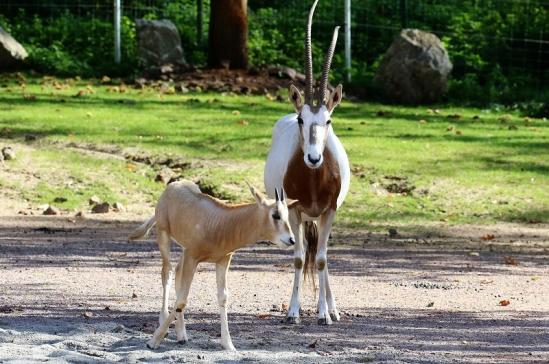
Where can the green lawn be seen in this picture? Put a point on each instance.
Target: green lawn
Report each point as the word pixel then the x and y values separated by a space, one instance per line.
pixel 467 165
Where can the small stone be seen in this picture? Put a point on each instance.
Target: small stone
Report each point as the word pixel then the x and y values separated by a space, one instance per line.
pixel 393 232
pixel 79 214
pixel 164 175
pixel 87 314
pixel 8 153
pixel 50 210
pixel 474 254
pixel 59 200
pixel 134 295
pixel 101 208
pixel 118 207
pixel 94 200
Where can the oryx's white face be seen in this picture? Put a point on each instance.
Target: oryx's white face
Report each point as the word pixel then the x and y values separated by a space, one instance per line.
pixel 314 125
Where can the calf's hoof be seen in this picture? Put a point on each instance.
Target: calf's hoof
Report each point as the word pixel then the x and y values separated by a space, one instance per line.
pixel 182 342
pixel 334 316
pixel 152 344
pixel 292 320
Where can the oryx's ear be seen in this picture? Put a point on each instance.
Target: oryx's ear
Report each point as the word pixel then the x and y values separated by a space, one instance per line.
pixel 258 196
pixel 335 98
pixel 295 98
pixel 291 203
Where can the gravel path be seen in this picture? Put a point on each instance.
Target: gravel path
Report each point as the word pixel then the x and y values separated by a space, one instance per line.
pixel 78 292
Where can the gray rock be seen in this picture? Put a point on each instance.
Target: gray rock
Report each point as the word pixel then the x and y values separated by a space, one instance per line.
pixel 101 208
pixel 158 43
pixel 50 210
pixel 118 207
pixel 8 153
pixel 94 200
pixel 12 53
pixel 415 68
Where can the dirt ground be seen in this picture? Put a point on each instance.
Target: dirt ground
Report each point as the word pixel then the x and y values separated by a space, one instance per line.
pixel 77 291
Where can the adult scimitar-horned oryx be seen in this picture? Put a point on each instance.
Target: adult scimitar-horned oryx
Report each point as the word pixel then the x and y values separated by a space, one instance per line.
pixel 307 158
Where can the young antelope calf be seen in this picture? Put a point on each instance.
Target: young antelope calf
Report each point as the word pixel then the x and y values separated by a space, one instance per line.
pixel 209 231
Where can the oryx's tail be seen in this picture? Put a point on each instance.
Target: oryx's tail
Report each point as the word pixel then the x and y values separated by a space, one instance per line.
pixel 311 235
pixel 143 229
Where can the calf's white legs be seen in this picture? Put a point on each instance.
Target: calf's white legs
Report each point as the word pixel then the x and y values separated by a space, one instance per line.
pixel 163 241
pixel 221 269
pixel 184 277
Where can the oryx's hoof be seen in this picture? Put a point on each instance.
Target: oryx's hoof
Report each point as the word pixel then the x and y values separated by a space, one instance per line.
pixel 292 320
pixel 182 342
pixel 334 316
pixel 151 344
pixel 324 321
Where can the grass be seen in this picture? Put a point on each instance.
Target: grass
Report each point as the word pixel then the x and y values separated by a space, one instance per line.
pixel 467 165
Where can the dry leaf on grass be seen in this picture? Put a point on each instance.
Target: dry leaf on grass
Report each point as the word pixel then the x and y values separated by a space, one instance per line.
pixel 504 303
pixel 510 260
pixel 488 237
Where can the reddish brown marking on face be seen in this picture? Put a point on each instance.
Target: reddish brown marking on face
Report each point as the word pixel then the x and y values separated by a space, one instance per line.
pixel 316 189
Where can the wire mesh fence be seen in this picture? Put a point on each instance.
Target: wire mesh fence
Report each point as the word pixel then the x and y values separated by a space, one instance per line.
pixel 496 37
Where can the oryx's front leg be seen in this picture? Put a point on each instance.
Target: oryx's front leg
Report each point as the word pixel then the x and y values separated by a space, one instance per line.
pixel 299 258
pixel 321 262
pixel 221 269
pixel 184 278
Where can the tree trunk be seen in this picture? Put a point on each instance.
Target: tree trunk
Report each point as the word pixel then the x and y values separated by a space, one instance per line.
pixel 228 34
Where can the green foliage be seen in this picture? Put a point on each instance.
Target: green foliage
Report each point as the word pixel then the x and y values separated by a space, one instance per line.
pixel 69 45
pixel 493 44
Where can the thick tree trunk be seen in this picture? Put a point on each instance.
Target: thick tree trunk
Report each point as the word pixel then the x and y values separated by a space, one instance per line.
pixel 228 34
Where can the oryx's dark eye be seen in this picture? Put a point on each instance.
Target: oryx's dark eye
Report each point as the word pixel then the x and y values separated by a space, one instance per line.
pixel 329 122
pixel 276 216
pixel 299 120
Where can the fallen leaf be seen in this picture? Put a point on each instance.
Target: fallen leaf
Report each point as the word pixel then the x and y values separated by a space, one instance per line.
pixel 487 281
pixel 285 305
pixel 510 260
pixel 243 122
pixel 535 278
pixel 488 237
pixel 504 302
pixel 263 315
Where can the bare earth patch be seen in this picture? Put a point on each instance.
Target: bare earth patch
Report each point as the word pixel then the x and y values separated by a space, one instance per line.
pixel 79 292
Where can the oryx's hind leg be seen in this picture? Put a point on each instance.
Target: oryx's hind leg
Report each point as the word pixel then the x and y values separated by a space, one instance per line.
pixel 321 262
pixel 180 328
pixel 299 258
pixel 184 278
pixel 163 241
pixel 332 309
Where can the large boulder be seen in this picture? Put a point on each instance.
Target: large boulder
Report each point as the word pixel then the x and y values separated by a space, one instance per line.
pixel 415 68
pixel 11 52
pixel 158 43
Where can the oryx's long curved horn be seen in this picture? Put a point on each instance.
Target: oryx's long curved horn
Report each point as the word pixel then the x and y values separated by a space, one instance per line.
pixel 277 198
pixel 309 58
pixel 326 68
pixel 282 194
